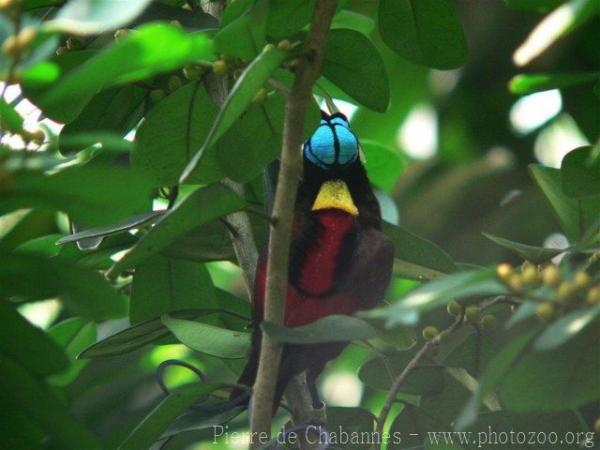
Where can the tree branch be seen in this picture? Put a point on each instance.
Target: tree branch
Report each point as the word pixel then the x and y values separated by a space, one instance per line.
pixel 283 209
pixel 413 363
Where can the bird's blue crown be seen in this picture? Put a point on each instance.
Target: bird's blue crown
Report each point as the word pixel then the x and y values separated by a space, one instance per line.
pixel 333 144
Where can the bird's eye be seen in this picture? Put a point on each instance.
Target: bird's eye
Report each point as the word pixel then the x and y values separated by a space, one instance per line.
pixel 332 144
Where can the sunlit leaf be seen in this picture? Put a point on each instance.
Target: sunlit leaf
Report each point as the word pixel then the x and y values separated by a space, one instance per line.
pixel 240 97
pixel 152 49
pixel 567 327
pixel 209 339
pixel 334 328
pixel 438 292
pixel 84 17
pixel 529 83
pixel 559 23
pixel 200 207
pixel 536 255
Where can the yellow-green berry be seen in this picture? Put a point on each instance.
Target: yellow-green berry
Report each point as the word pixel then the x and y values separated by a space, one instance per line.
pixel 545 311
pixel 260 97
pixel 597 425
pixel 593 295
pixel 6 5
pixel 284 45
pixel 26 37
pixel 61 51
pixel 529 275
pixel 430 332
pixel 157 95
pixel 472 313
pixel 566 291
pixel 268 47
pixel 73 43
pixel 10 46
pixel 121 34
pixel 582 280
pixel 504 271
pixel 174 83
pixel 551 276
pixel 454 308
pixel 193 72
pixel 515 282
pixel 488 321
pixel 220 67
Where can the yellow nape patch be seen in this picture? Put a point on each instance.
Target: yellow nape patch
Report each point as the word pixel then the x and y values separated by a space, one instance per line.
pixel 335 195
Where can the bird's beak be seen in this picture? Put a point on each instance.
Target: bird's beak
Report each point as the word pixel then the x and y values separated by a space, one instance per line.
pixel 335 194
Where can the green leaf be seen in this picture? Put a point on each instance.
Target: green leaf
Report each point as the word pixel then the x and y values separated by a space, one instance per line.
pixel 200 207
pixel 536 82
pixel 43 407
pixel 28 345
pixel 244 37
pixel 40 75
pixel 580 172
pixel 150 429
pixel 152 49
pixel 353 64
pixel 574 216
pixel 481 282
pixel 289 17
pixel 436 412
pixel 84 291
pixel 426 32
pixel 495 372
pixel 133 338
pixel 94 194
pixel 204 338
pixel 426 378
pixel 116 110
pixel 563 20
pixel 383 164
pixel 73 335
pixel 567 327
pixel 125 225
pixel 161 285
pixel 210 242
pixel 536 255
pixel 416 257
pixel 10 120
pixel 34 223
pixel 85 17
pixel 474 353
pixel 333 328
pixel 354 422
pixel 181 123
pixel 255 139
pixel 563 378
pixel 240 97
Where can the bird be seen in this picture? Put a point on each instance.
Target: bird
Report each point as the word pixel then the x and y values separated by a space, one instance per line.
pixel 340 260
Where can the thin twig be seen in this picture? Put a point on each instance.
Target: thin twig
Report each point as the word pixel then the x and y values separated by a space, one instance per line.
pixel 283 209
pixel 412 365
